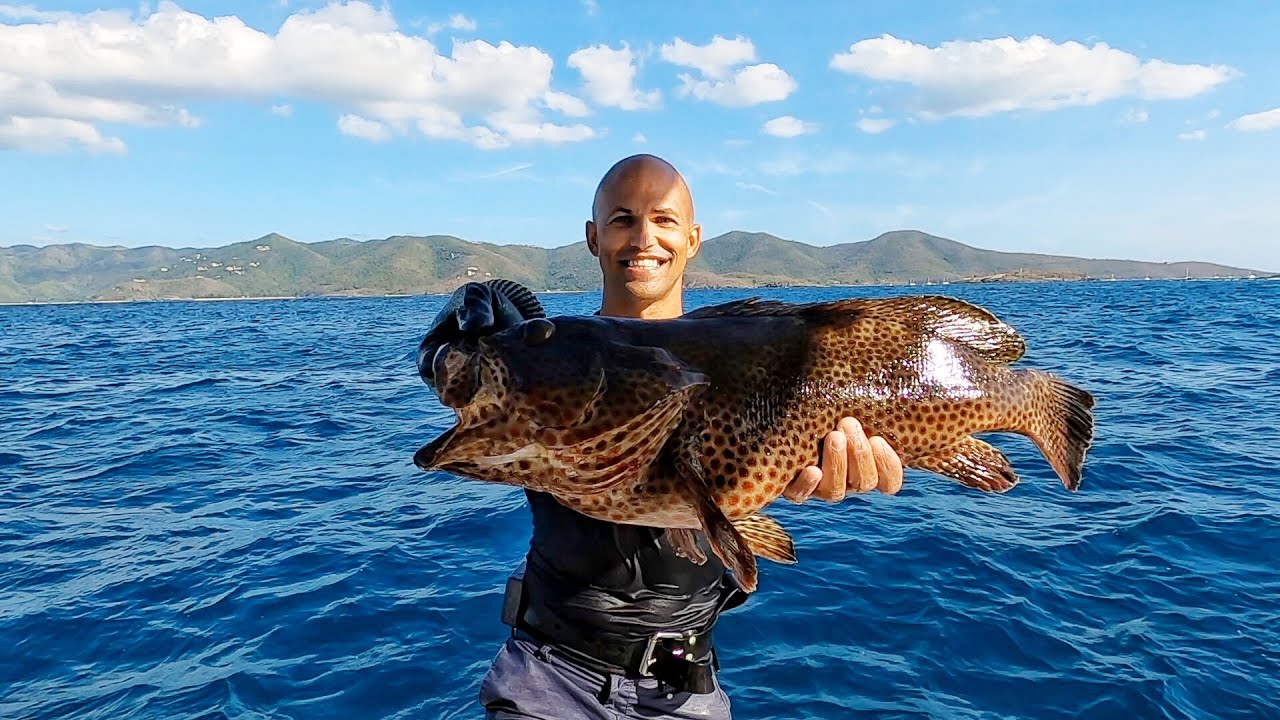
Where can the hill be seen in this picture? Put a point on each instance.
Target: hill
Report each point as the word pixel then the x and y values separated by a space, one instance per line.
pixel 274 265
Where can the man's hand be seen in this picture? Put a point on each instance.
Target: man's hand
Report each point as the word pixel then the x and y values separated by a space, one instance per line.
pixel 850 462
pixel 474 310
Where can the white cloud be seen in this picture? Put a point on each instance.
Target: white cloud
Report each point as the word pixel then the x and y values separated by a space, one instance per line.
pixel 566 104
pixel 78 70
pixel 457 21
pixel 510 170
pixel 609 77
pixel 639 139
pixel 181 116
pixel 755 187
pixel 752 85
pixel 839 162
pixel 1134 116
pixel 874 126
pixel 826 211
pixel 56 228
pixel 979 78
pixel 282 110
pixel 718 82
pixel 42 134
pixel 713 60
pixel 591 6
pixel 787 126
pixel 26 12
pixel 1256 122
pixel 363 128
pixel 1193 135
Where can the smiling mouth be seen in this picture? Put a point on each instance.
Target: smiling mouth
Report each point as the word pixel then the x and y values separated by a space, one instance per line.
pixel 644 263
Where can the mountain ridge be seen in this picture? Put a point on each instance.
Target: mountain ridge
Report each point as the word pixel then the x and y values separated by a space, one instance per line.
pixel 274 265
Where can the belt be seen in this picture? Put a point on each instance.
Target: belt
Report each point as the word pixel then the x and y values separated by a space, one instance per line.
pixel 684 660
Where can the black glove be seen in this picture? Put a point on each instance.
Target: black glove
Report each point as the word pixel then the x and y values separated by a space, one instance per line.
pixel 476 310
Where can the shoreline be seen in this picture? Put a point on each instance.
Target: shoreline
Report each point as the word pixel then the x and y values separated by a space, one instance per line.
pixel 1011 281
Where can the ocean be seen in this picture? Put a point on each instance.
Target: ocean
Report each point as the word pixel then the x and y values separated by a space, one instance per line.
pixel 209 510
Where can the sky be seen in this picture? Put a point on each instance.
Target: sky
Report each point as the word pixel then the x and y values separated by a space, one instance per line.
pixel 1138 130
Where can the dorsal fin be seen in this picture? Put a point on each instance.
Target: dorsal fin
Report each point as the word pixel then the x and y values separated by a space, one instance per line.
pixel 965 323
pixel 953 319
pixel 743 308
pixel 520 296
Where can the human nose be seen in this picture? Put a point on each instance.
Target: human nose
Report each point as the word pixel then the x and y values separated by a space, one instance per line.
pixel 643 237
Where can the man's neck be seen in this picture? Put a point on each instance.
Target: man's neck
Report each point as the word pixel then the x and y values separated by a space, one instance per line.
pixel 664 309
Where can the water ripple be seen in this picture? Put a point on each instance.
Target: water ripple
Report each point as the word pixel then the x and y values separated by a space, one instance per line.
pixel 210 511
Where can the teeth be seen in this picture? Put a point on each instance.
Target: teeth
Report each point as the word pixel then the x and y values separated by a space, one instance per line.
pixel 647 263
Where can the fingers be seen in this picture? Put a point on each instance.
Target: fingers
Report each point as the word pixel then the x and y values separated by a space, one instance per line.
pixel 803 486
pixel 861 463
pixel 851 462
pixel 476 313
pixel 835 467
pixel 888 466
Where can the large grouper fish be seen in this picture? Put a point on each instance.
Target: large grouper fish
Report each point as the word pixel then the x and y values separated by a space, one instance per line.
pixel 695 424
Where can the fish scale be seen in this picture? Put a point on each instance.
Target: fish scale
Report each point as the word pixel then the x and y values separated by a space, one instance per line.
pixel 696 424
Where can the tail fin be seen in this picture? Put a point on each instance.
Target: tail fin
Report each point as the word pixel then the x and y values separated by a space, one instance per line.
pixel 1061 424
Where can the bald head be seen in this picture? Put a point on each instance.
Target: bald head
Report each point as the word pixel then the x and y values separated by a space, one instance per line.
pixel 635 170
pixel 643 232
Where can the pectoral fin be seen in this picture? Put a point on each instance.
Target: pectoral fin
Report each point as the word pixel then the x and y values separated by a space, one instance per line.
pixel 622 454
pixel 726 541
pixel 767 538
pixel 729 544
pixel 974 463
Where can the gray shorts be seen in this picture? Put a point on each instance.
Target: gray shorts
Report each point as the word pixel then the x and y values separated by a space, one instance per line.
pixel 528 680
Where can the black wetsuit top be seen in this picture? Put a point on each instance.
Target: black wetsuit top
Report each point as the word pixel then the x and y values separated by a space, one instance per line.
pixel 589 577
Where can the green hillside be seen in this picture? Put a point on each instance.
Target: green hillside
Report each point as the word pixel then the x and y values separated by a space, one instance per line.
pixel 274 265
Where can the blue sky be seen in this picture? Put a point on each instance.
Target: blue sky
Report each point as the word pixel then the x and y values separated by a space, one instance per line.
pixel 1139 130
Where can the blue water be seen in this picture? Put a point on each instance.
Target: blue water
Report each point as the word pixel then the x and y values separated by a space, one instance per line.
pixel 209 510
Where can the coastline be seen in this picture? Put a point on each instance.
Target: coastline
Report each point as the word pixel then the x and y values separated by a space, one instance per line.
pixel 768 286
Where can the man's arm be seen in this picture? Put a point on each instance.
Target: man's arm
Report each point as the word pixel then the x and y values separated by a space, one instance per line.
pixel 850 462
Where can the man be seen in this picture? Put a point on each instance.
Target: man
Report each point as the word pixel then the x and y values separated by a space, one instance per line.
pixel 608 622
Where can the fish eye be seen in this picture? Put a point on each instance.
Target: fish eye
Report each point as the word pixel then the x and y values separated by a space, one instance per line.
pixel 538 330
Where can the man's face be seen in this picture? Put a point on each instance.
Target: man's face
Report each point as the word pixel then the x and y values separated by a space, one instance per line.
pixel 644 234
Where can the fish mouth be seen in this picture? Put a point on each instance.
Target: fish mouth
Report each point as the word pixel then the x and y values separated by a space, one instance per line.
pixel 428 454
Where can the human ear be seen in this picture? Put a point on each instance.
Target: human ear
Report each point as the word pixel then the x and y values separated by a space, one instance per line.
pixel 695 240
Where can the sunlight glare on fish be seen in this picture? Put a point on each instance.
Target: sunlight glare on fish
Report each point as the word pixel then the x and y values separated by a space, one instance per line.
pixel 941 365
